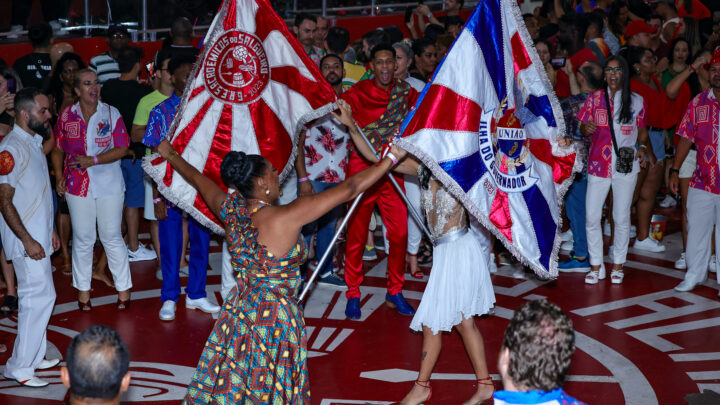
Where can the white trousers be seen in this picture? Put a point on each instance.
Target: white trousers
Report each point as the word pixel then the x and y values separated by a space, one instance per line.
pixel 106 212
pixel 227 273
pixel 623 186
pixel 415 233
pixel 703 212
pixel 36 294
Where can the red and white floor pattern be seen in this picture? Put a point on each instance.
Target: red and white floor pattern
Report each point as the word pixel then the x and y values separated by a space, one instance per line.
pixel 637 343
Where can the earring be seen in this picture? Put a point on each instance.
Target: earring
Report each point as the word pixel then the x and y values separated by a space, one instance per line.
pixel 267 191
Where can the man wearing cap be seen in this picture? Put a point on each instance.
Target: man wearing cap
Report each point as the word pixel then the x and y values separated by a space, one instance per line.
pixel 105 64
pixel 701 125
pixel 637 33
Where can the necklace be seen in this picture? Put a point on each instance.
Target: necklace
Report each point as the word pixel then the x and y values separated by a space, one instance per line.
pixel 261 201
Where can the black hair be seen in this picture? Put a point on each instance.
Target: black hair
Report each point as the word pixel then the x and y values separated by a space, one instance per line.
pixel 595 81
pixel 634 54
pixel 25 99
pixel 671 50
pixel 239 170
pixel 394 33
pixel 40 35
pixel 338 39
pixel 328 56
pixel 420 44
pixel 165 53
pixel 625 102
pixel 382 47
pixel 694 81
pixel 455 20
pixel 540 339
pixel 433 31
pixel 128 57
pixel 181 28
pixel 544 41
pixel 614 16
pixel 304 16
pixel 97 361
pixel 178 60
pixel 375 37
pixel 596 18
pixel 56 86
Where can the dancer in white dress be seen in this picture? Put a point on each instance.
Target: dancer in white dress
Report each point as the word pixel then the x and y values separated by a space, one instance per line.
pixel 459 287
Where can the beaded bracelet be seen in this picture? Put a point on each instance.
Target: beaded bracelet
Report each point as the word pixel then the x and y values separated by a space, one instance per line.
pixel 95 159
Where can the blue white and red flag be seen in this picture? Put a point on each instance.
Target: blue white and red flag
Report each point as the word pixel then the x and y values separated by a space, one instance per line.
pixel 487 126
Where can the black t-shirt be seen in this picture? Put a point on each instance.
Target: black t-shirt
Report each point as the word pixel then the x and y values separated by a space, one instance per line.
pixel 6 118
pixel 34 69
pixel 125 96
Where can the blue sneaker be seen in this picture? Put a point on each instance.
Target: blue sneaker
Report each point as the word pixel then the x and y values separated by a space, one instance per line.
pixel 352 310
pixel 573 265
pixel 397 301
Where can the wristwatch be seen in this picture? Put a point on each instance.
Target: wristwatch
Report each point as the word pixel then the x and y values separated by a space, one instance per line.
pixel 673 170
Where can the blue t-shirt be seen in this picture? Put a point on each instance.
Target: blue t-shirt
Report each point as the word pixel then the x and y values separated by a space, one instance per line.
pixel 557 396
pixel 161 117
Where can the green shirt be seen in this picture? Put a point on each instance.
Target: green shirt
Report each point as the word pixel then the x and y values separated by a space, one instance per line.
pixel 146 104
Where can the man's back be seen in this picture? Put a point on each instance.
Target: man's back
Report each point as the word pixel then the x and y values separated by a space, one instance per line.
pixel 125 96
pixel 33 69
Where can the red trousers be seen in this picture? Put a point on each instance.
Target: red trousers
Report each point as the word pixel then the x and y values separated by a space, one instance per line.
pixel 394 215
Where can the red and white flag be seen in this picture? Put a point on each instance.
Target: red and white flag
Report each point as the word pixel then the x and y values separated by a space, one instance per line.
pixel 252 90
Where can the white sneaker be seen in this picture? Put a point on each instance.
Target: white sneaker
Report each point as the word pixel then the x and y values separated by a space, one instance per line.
pixel 684 286
pixel 202 304
pixel 650 245
pixel 167 312
pixel 33 382
pixel 668 202
pixel 141 254
pixel 567 245
pixel 46 364
pixel 15 33
pixel 633 231
pixel 566 236
pixel 606 228
pixel 712 266
pixel 681 264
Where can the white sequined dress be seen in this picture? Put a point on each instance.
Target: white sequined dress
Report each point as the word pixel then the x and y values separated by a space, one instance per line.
pixel 459 286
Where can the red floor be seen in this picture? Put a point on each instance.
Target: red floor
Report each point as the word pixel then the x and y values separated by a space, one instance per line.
pixel 637 343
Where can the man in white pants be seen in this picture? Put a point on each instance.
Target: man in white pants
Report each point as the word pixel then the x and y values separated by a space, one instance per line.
pixel 27 232
pixel 700 125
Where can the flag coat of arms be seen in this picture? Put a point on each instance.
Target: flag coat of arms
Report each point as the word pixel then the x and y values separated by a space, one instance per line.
pixel 487 127
pixel 252 89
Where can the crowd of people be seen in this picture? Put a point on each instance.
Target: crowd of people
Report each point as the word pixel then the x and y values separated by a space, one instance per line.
pixel 82 132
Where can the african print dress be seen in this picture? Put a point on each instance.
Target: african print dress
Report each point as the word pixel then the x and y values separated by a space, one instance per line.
pixel 257 351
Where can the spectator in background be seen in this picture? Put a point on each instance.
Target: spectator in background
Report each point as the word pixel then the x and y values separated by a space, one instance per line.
pixel 305 29
pixel 671 21
pixel 140 121
pixel 369 41
pixel 433 31
pixel 595 22
pixel 92 135
pixel 321 33
pixel 182 34
pixel 403 60
pixel 535 356
pixel 558 78
pixel 453 25
pixel 170 217
pixel 637 33
pixel 57 50
pixel 443 44
pixel 97 367
pixel 532 25
pixel 60 89
pixel 34 68
pixel 425 59
pixel 618 20
pixel 105 64
pixel 124 93
pixel 7 100
pixel 338 42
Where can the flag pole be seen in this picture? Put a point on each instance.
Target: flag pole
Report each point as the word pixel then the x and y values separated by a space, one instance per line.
pixel 325 255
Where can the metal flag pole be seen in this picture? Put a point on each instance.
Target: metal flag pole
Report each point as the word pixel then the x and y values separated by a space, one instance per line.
pixel 325 255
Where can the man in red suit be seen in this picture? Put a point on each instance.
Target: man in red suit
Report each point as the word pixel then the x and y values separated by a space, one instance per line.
pixel 379 105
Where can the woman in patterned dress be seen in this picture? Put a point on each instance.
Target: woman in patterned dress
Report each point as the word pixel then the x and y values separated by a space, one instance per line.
pixel 257 350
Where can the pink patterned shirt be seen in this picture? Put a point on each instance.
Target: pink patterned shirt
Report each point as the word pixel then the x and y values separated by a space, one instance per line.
pixel 326 150
pixel 701 124
pixel 602 153
pixel 106 131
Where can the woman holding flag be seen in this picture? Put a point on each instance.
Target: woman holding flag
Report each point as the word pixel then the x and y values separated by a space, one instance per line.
pixel 257 350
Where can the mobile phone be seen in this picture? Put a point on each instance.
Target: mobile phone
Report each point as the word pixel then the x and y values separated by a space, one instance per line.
pixel 557 62
pixel 11 86
pixel 150 66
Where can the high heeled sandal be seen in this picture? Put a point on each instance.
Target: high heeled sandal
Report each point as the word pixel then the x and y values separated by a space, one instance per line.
pixel 593 276
pixel 616 276
pixel 85 306
pixel 419 274
pixel 425 384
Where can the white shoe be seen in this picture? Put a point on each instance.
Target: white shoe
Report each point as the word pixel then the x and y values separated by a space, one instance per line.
pixel 616 276
pixel 566 236
pixel 519 273
pixel 33 382
pixel 568 245
pixel 681 264
pixel 185 271
pixel 606 229
pixel 593 276
pixel 712 266
pixel 141 254
pixel 633 231
pixel 684 286
pixel 46 364
pixel 650 245
pixel 167 312
pixel 15 33
pixel 668 202
pixel 202 304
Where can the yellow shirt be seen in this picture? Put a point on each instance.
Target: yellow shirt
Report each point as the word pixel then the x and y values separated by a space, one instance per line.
pixel 353 74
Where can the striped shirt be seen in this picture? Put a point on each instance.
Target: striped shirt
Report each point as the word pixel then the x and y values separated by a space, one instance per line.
pixel 105 66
